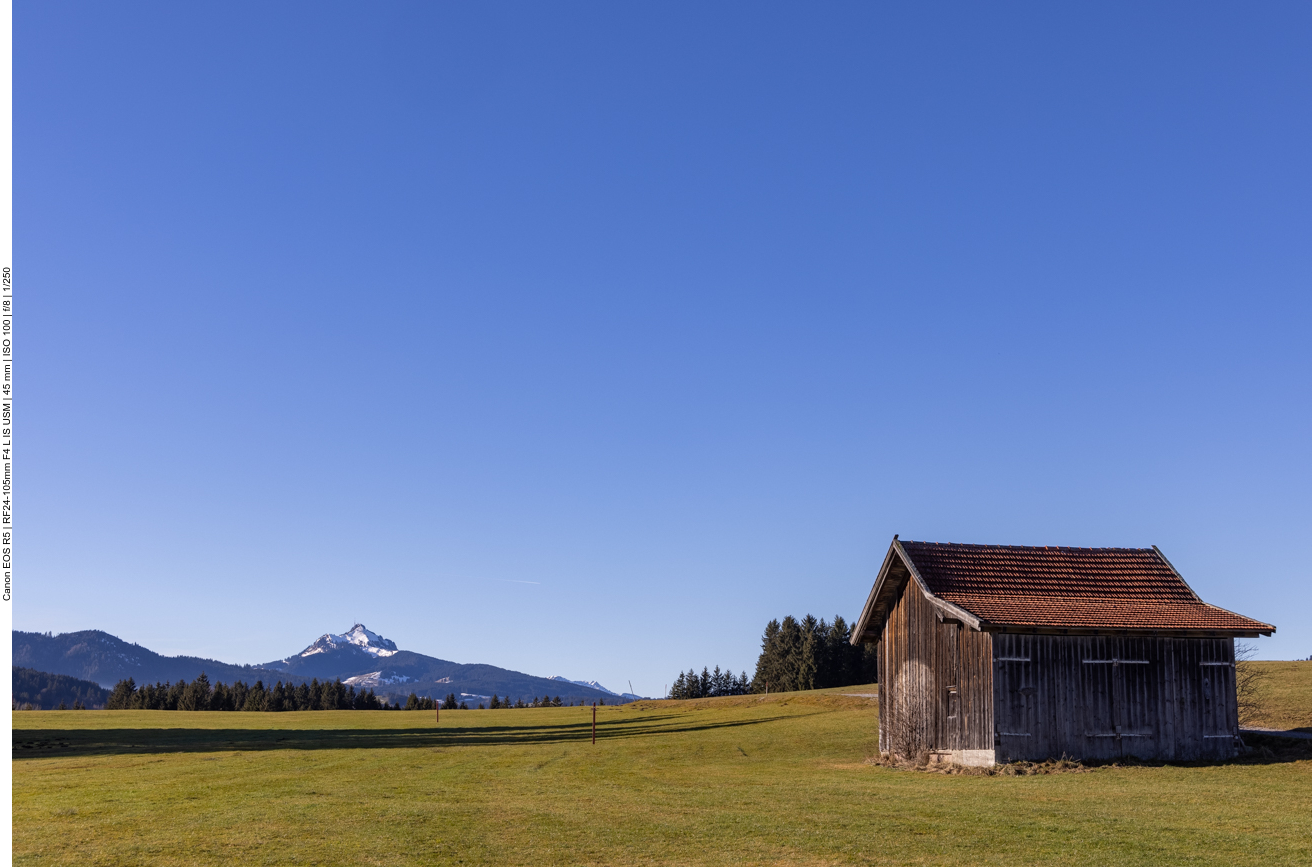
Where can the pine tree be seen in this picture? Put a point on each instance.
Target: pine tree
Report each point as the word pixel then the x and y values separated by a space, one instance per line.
pixel 195 695
pixel 255 697
pixel 808 660
pixel 451 702
pixel 769 668
pixel 464 706
pixel 121 697
pixel 273 700
pixel 495 703
pixel 838 654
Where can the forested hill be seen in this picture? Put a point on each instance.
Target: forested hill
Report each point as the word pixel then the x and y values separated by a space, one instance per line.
pixel 100 657
pixel 41 690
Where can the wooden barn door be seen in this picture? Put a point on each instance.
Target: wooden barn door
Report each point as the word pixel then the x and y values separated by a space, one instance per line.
pixel 1015 704
pixel 1117 679
pixel 949 667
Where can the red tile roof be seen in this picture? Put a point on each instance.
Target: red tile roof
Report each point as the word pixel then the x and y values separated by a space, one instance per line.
pixel 1084 588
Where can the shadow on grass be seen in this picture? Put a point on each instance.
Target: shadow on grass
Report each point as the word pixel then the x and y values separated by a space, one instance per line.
pixel 40 743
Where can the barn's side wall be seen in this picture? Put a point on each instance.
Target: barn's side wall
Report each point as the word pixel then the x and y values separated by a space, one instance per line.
pixel 1107 697
pixel 922 662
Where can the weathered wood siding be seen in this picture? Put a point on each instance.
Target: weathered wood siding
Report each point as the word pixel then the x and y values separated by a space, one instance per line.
pixel 1107 697
pixel 935 680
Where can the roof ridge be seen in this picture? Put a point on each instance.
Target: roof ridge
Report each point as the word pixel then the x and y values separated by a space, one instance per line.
pixel 1021 547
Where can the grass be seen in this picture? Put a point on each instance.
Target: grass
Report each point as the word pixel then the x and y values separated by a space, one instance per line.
pixel 782 780
pixel 1286 694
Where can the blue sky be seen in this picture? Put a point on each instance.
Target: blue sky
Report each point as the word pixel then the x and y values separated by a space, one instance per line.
pixel 583 339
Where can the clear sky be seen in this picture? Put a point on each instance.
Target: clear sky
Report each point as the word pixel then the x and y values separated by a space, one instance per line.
pixel 585 338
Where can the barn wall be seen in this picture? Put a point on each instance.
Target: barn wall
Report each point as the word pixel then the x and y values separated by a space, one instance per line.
pixel 1108 697
pixel 907 706
pixel 922 662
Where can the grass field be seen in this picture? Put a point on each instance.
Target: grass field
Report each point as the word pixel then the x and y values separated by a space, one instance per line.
pixel 782 780
pixel 1286 694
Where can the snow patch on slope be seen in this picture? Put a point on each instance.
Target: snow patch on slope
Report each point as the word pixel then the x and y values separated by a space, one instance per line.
pixel 592 684
pixel 375 678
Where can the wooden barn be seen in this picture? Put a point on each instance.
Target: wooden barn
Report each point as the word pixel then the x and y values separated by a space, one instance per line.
pixel 995 653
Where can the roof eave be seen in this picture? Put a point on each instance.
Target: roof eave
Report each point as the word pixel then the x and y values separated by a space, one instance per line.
pixel 1164 632
pixel 947 609
pixel 863 621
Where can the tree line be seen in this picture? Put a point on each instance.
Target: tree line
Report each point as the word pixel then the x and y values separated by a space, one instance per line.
pixel 199 694
pixel 41 690
pixel 709 684
pixel 795 655
pixel 811 654
pixel 545 701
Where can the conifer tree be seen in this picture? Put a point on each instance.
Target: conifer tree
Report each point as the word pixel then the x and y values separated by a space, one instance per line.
pixel 195 695
pixel 122 695
pixel 255 697
pixel 769 668
pixel 808 661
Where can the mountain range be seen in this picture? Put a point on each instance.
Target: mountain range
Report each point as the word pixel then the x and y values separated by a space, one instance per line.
pixel 358 657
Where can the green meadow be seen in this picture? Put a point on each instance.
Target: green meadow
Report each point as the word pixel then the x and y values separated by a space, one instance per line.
pixel 748 780
pixel 1285 695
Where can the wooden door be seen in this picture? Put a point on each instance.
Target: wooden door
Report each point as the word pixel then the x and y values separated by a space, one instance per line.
pixel 950 685
pixel 1115 710
pixel 1015 703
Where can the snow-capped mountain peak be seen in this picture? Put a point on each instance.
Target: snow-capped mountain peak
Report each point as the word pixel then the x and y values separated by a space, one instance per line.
pixel 358 637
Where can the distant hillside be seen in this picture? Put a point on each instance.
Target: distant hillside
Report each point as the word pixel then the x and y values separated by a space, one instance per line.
pixel 45 691
pixel 100 657
pixel 358 657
